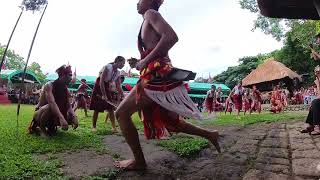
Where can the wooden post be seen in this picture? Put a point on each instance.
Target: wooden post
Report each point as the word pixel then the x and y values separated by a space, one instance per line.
pixel 317 6
pixel 7 46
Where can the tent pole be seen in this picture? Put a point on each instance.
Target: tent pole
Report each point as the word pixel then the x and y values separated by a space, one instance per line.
pixel 317 6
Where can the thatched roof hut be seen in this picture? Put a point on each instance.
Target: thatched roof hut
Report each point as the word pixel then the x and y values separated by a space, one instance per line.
pixel 270 73
pixel 290 9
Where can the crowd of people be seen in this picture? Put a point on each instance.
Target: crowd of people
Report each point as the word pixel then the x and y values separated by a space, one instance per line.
pixel 160 96
pixel 240 99
pixel 29 96
pixel 250 100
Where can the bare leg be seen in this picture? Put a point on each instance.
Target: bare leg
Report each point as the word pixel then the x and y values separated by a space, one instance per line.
pixel 124 111
pixel 94 120
pixel 107 117
pixel 112 119
pixel 75 106
pixel 84 106
pixel 86 112
pixel 42 116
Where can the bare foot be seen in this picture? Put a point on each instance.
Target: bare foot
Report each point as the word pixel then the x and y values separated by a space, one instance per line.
pixel 214 140
pixel 43 134
pixel 130 164
pixel 114 131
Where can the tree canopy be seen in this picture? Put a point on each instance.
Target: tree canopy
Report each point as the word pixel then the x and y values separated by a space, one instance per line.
pixel 295 53
pixel 16 62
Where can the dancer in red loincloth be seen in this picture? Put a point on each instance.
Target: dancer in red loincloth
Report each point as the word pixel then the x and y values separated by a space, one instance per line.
pixel 256 100
pixel 82 96
pixel 236 94
pixel 160 93
pixel 210 101
pixel 102 97
pixel 54 109
pixel 246 101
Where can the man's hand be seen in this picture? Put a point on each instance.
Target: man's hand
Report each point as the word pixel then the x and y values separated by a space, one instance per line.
pixel 63 123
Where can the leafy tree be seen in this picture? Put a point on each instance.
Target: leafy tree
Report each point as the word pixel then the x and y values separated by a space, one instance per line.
pixel 273 26
pixel 28 5
pixel 36 68
pixel 234 74
pixel 276 27
pixel 14 61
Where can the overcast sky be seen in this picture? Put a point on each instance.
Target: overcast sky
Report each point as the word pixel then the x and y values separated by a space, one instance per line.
pixel 213 34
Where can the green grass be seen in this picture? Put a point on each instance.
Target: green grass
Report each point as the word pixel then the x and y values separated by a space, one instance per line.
pixel 184 146
pixel 222 119
pixel 18 148
pixel 107 175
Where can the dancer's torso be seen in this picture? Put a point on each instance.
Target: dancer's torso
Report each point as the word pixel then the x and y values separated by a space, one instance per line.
pixel 60 93
pixel 111 75
pixel 148 37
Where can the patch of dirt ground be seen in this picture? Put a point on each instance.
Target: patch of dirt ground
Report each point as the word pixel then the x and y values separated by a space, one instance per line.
pixel 261 151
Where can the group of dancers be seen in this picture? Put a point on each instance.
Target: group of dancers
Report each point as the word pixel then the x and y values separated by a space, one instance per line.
pixel 160 96
pixel 239 98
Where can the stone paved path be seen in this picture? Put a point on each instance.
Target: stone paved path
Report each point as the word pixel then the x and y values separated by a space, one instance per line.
pixel 262 151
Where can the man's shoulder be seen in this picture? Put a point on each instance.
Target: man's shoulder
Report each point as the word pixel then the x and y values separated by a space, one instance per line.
pixel 107 67
pixel 47 85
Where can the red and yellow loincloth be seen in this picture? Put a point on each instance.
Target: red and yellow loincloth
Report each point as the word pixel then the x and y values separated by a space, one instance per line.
pixel 167 95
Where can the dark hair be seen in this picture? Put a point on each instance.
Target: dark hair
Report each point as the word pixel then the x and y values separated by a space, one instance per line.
pixel 119 59
pixel 155 5
pixel 63 70
pixel 318 35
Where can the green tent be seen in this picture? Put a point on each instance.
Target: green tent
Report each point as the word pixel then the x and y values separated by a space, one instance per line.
pixel 193 85
pixel 207 86
pixel 15 76
pixel 90 79
pixel 130 80
pixel 198 90
pixel 202 96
